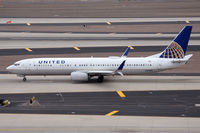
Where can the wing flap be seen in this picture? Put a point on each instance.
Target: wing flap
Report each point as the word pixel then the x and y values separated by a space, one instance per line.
pixel 96 73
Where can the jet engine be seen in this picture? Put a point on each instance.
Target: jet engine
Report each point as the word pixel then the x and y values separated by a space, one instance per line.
pixel 79 76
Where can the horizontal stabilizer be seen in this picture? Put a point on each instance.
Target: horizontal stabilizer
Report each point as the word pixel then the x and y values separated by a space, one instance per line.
pixel 185 59
pixel 95 73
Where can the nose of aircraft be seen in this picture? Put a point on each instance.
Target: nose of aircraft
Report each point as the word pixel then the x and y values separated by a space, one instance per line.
pixel 9 68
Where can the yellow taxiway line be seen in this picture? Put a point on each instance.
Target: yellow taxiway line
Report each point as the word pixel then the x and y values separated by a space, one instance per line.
pixel 28 49
pixel 130 47
pixel 121 94
pixel 112 113
pixel 109 23
pixel 28 24
pixel 76 48
pixel 187 21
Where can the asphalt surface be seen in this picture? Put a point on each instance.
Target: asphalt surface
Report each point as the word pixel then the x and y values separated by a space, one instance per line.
pixel 139 103
pixel 149 27
pixel 99 23
pixel 99 8
pixel 36 51
pixel 88 38
pixel 156 103
pixel 100 33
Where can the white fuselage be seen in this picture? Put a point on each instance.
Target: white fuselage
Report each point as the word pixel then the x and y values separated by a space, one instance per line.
pixel 65 66
pixel 83 69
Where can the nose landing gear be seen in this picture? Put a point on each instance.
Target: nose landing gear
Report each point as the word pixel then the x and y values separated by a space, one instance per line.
pixel 24 77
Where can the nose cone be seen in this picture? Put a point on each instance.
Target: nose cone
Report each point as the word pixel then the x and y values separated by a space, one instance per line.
pixel 9 68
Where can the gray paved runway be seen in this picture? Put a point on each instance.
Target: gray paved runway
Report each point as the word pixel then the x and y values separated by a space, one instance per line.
pixel 36 123
pixel 97 20
pixel 99 8
pixel 75 36
pixel 90 38
pixel 36 51
pixel 96 23
pixel 140 103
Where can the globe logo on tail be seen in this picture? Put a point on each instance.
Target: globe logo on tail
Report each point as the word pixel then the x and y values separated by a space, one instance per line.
pixel 174 50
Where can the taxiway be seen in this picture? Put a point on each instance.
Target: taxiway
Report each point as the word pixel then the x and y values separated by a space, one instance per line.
pixel 181 103
pixel 12 84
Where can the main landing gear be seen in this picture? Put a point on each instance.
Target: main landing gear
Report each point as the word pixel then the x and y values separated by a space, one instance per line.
pixel 24 79
pixel 100 78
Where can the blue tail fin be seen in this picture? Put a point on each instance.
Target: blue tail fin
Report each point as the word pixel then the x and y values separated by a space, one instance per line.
pixel 178 47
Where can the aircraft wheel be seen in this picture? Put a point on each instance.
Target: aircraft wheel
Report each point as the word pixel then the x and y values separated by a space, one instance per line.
pixel 100 79
pixel 24 79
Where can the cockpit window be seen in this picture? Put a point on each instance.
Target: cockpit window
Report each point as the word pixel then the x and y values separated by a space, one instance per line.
pixel 16 64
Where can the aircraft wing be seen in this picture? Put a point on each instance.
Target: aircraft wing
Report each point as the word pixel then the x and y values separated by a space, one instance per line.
pixel 106 72
pixel 96 73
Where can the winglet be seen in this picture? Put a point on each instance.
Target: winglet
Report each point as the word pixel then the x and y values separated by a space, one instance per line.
pixel 126 52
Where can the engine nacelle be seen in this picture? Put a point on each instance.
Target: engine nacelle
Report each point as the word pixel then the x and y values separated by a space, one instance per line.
pixel 79 76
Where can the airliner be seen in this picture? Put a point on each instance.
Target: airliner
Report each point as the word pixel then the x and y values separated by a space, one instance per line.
pixel 84 69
